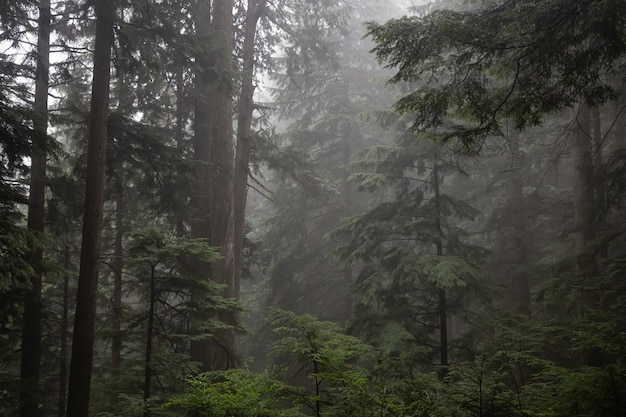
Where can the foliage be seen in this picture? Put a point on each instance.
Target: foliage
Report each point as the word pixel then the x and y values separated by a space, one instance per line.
pixel 234 393
pixel 519 61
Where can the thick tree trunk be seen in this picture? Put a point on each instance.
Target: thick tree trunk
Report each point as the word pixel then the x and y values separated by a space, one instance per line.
pixel 31 328
pixel 84 322
pixel 213 148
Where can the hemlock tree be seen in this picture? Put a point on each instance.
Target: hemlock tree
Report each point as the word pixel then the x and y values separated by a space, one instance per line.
pixel 32 319
pixel 497 67
pixel 173 297
pixel 212 199
pixel 415 269
pixel 83 338
pixel 326 92
pixel 17 243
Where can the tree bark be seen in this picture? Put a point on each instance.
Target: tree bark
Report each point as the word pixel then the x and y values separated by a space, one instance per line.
pixel 64 333
pixel 583 193
pixel 244 134
pixel 519 285
pixel 442 303
pixel 347 272
pixel 118 266
pixel 179 215
pixel 149 334
pixel 123 108
pixel 581 146
pixel 84 323
pixel 32 316
pixel 599 181
pixel 213 149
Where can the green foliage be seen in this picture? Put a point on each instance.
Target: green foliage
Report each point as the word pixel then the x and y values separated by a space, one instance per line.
pixel 234 393
pixel 520 61
pixel 312 340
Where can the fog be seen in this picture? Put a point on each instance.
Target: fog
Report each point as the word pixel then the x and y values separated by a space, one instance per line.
pixel 312 208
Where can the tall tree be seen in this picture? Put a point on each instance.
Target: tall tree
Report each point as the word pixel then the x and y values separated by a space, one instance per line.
pixel 497 71
pixel 213 150
pixel 245 109
pixel 32 321
pixel 84 322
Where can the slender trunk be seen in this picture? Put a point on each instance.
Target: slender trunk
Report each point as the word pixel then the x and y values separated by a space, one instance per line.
pixel 347 198
pixel 118 266
pixel 598 162
pixel 244 135
pixel 519 286
pixel 584 215
pixel 31 330
pixel 123 108
pixel 179 216
pixel 619 114
pixel 213 148
pixel 85 318
pixel 147 369
pixel 442 307
pixel 64 333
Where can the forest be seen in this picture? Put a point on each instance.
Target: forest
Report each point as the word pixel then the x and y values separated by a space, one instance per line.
pixel 255 208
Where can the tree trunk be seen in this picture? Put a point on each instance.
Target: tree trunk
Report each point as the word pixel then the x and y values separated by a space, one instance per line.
pixel 31 330
pixel 442 307
pixel 147 368
pixel 179 216
pixel 64 332
pixel 213 149
pixel 584 214
pixel 347 272
pixel 244 134
pixel 599 180
pixel 124 107
pixel 118 266
pixel 519 285
pixel 583 193
pixel 84 322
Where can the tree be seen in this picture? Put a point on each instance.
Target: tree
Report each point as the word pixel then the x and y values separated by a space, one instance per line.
pixel 31 325
pixel 213 150
pixel 83 338
pixel 17 243
pixel 499 69
pixel 173 299
pixel 415 269
pixel 245 107
pixel 326 97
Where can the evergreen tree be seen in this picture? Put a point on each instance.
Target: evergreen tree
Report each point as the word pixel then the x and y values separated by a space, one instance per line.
pixel 415 270
pixel 83 338
pixel 33 317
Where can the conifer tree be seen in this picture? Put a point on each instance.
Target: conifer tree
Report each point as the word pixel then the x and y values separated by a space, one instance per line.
pixel 83 338
pixel 32 320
